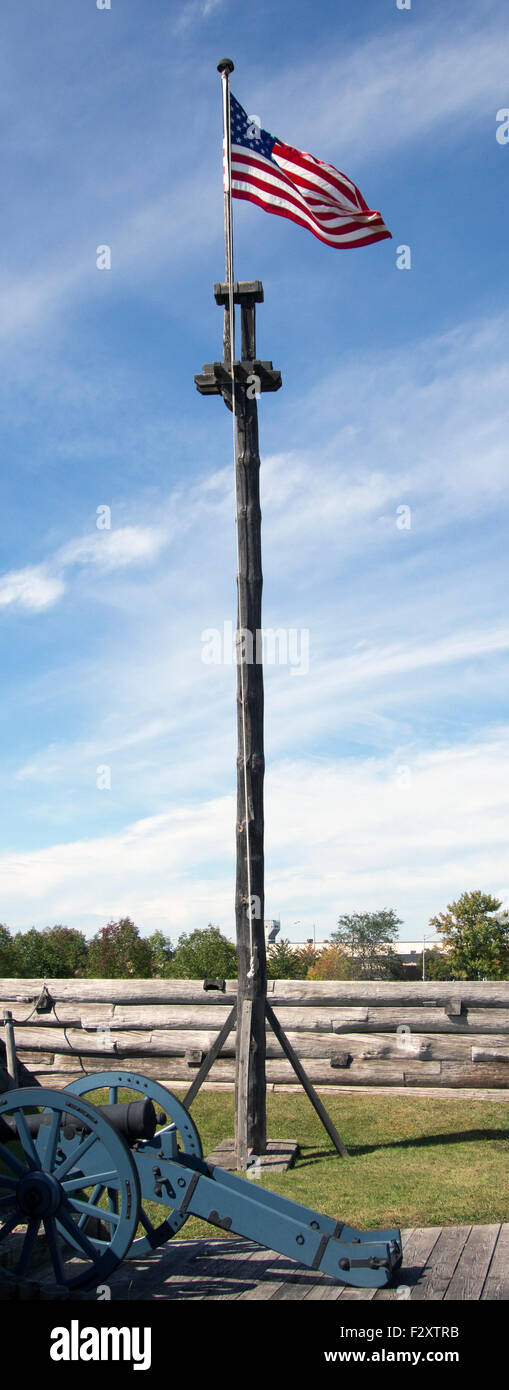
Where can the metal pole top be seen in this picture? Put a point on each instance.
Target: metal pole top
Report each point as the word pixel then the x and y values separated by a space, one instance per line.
pixel 225 65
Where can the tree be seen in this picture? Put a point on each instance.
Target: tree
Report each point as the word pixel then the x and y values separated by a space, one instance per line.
pixel 394 967
pixel 367 937
pixel 283 963
pixel 437 966
pixel 476 941
pixel 118 951
pixel 162 952
pixel 333 963
pixel 53 953
pixel 204 953
pixel 8 957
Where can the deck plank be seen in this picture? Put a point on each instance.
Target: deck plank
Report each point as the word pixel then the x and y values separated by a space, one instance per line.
pixel 472 1268
pixel 441 1264
pixel 497 1282
pixel 454 1263
pixel 417 1248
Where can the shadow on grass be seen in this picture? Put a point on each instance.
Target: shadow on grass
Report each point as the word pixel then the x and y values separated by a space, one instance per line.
pixel 422 1141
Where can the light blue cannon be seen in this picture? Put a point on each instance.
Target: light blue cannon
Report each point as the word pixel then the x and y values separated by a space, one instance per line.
pixel 81 1175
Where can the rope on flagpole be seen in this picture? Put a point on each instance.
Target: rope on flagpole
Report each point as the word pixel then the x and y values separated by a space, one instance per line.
pixel 225 67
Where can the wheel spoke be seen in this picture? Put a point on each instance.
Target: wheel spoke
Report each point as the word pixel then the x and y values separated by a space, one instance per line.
pixel 74 1184
pixel 52 1239
pixel 9 1225
pixel 90 1210
pixel 151 1230
pixel 75 1157
pixel 26 1140
pixel 113 1093
pixel 77 1237
pixel 146 1222
pixel 98 1189
pixel 28 1246
pixel 112 1199
pixel 9 1183
pixel 47 1140
pixel 12 1162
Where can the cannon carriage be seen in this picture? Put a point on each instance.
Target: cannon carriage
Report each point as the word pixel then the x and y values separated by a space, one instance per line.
pixel 88 1178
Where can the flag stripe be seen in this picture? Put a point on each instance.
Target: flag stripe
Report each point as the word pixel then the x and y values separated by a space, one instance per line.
pixel 261 177
pixel 344 222
pixel 294 184
pixel 323 174
pixel 284 212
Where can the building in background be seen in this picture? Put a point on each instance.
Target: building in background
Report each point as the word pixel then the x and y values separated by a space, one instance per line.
pixel 409 951
pixel 272 929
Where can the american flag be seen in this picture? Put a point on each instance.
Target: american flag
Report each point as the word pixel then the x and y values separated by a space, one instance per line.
pixel 294 184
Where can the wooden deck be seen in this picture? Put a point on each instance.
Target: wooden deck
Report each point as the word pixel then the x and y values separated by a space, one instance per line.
pixel 439 1263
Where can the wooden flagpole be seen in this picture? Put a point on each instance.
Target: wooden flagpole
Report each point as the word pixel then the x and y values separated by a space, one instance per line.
pixel 240 383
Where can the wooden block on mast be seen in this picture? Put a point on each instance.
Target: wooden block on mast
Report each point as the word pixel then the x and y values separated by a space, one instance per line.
pixel 215 377
pixel 243 291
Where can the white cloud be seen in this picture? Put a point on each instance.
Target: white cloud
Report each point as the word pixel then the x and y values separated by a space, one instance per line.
pixel 33 588
pixel 36 588
pixel 388 91
pixel 112 549
pixel 194 12
pixel 340 837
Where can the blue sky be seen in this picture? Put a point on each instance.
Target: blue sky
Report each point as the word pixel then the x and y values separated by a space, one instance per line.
pixel 388 760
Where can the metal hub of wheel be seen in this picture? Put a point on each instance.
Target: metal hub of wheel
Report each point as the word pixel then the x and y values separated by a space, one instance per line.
pixel 178 1131
pixel 57 1155
pixel 38 1194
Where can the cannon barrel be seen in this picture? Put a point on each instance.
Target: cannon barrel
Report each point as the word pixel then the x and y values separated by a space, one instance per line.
pixel 133 1119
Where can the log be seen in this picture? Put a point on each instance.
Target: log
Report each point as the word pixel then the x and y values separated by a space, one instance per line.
pixel 478 1074
pixel 423 1020
pixel 319 1072
pixel 37 1058
pixel 117 991
pixel 491 994
pixel 174 1072
pixel 491 1054
pixel 411 1047
pixel 392 993
pixel 152 1017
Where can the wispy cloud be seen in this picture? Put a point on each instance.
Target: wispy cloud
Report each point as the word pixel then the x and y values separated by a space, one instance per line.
pixel 431 76
pixel 345 837
pixel 112 549
pixel 194 12
pixel 39 587
pixel 33 588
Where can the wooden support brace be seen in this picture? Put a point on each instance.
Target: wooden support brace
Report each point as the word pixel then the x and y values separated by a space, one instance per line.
pixel 209 1060
pixel 10 1048
pixel 305 1082
pixel 244 1039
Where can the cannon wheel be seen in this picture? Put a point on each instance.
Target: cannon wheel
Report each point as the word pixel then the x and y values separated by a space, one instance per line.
pixel 42 1186
pixel 179 1120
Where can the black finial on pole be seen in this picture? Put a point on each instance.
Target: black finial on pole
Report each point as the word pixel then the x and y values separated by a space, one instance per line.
pixel 225 65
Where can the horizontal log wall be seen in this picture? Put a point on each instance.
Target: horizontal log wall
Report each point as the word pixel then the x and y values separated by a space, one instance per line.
pixel 346 1033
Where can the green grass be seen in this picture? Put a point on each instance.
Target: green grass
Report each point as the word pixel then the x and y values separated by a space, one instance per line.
pixel 413 1161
